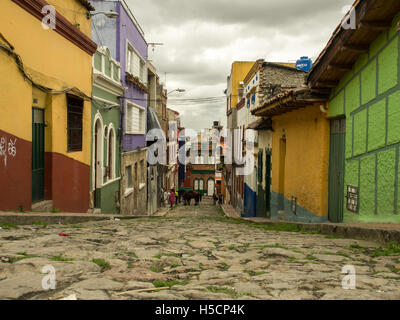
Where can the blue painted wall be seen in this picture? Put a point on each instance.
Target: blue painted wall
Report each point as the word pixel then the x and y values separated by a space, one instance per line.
pixel 250 202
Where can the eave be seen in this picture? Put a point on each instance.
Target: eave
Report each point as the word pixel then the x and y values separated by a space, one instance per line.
pixel 346 45
pixel 288 101
pixel 261 124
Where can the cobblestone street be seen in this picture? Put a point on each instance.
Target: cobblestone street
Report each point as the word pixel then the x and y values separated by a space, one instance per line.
pixel 192 253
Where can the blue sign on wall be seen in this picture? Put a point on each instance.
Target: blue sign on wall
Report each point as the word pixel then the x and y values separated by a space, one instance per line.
pixel 304 63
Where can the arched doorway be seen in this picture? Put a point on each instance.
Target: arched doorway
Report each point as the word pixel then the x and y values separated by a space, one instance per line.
pixel 210 187
pixel 97 161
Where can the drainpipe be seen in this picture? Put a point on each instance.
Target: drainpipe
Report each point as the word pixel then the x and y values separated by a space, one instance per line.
pixel 120 135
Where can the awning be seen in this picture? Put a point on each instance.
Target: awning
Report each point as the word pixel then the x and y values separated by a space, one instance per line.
pixel 261 124
pixel 152 120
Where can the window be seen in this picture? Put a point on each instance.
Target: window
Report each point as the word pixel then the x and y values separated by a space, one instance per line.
pixel 74 123
pixel 135 65
pixel 201 185
pixel 136 174
pixel 199 160
pixel 253 98
pixel 134 119
pixel 128 177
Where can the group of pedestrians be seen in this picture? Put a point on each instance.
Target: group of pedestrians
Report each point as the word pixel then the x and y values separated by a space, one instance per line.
pixel 170 197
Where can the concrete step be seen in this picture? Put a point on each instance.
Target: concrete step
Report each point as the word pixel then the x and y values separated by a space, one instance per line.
pixel 94 211
pixel 43 206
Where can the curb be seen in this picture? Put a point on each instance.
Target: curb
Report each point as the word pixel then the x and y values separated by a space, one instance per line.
pixel 380 235
pixel 52 220
pixel 27 219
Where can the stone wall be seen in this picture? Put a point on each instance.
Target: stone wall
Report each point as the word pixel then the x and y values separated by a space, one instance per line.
pixel 273 79
pixel 133 200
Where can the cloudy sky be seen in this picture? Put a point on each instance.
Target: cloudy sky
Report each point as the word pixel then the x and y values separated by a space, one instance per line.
pixel 202 38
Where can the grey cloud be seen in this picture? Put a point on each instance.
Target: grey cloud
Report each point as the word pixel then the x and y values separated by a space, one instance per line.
pixel 202 38
pixel 250 12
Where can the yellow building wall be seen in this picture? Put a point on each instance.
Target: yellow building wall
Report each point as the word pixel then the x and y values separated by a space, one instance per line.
pixel 75 13
pixel 53 62
pixel 307 158
pixel 15 99
pixel 239 71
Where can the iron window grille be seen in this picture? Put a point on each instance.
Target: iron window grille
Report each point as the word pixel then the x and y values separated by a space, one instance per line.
pixel 74 123
pixel 353 197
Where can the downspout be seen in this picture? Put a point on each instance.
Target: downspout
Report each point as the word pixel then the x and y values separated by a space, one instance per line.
pixel 120 135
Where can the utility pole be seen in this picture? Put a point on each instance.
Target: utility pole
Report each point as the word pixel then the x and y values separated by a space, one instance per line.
pixel 154 44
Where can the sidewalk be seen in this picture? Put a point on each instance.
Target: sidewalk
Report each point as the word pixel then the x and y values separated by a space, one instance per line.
pixel 230 211
pixel 372 225
pixel 379 232
pixel 29 218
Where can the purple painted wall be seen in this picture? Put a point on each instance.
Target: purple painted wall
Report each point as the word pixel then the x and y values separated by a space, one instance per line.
pixel 126 29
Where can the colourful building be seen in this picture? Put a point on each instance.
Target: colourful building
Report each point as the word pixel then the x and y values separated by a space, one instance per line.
pixel 125 40
pixel 263 81
pixel 360 69
pixel 234 94
pixel 106 126
pixel 300 153
pixel 171 176
pixel 200 178
pixel 45 118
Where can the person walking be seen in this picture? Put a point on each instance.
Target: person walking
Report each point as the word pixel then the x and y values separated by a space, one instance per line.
pixel 172 198
pixel 215 198
pixel 177 197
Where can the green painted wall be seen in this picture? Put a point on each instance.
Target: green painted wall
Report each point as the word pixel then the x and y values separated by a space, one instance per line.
pixel 107 193
pixel 369 97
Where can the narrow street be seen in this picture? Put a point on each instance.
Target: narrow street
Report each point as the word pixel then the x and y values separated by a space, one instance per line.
pixel 192 253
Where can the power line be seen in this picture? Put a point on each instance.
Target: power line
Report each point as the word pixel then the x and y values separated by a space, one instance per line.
pixel 97 33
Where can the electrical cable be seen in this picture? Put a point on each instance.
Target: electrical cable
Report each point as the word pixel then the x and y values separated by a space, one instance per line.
pixel 18 61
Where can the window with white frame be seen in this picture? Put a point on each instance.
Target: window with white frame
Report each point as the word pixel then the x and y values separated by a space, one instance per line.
pixel 134 119
pixel 135 64
pixel 199 160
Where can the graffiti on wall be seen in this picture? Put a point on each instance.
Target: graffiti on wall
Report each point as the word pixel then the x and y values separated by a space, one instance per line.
pixel 7 149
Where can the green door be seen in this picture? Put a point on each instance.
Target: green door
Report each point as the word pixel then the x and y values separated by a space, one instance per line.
pixel 37 155
pixel 264 194
pixel 336 169
pixel 261 199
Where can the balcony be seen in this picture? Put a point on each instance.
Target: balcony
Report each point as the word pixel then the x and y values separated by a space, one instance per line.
pixel 136 82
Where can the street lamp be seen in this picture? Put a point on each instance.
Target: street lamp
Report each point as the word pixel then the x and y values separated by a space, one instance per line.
pixel 109 14
pixel 177 90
